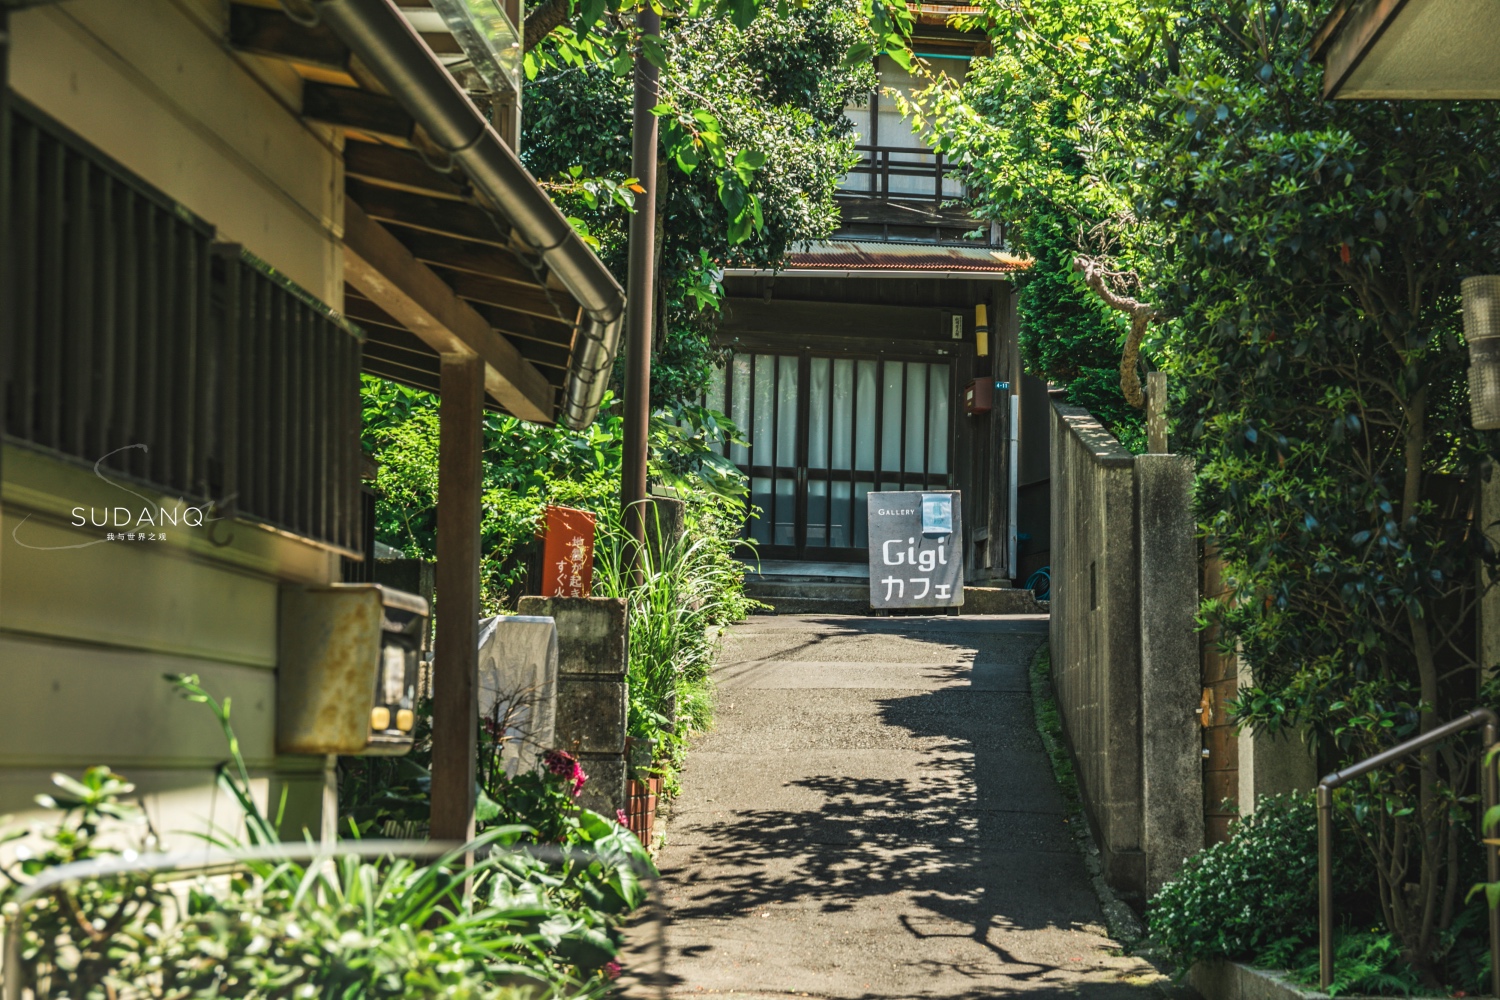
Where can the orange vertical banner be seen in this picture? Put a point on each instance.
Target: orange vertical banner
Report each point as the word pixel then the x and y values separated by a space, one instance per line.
pixel 567 553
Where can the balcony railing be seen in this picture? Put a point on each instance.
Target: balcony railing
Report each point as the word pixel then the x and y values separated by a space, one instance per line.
pixel 903 173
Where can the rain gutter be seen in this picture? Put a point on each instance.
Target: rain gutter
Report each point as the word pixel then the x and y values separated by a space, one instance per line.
pixel 395 55
pixel 861 272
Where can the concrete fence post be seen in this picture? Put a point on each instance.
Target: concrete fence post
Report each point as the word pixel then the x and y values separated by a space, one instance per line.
pixel 592 645
pixel 1171 740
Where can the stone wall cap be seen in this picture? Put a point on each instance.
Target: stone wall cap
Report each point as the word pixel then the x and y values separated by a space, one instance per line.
pixel 1104 446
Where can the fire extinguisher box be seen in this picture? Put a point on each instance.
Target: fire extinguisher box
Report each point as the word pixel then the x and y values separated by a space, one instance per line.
pixel 979 396
pixel 347 673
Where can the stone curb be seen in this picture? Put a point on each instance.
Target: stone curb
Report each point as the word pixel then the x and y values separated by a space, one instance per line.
pixel 1123 925
pixel 1224 980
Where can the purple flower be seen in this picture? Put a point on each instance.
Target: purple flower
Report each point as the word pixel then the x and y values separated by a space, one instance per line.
pixel 612 970
pixel 620 815
pixel 566 767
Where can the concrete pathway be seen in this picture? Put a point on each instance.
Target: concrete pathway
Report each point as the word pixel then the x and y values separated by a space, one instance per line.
pixel 874 817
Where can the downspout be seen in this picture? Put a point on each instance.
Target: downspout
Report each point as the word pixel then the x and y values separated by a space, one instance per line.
pixel 1013 358
pixel 1015 477
pixel 395 54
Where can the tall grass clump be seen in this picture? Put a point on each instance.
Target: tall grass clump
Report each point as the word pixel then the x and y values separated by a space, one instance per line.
pixel 690 585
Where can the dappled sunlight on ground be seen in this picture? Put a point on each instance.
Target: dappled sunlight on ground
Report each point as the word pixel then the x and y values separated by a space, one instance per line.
pixel 875 817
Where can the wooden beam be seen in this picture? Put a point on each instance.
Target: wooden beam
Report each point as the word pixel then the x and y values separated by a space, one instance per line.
pixel 356 110
pixel 397 168
pixel 387 274
pixel 443 216
pixel 265 32
pixel 513 296
pixel 442 43
pixel 522 327
pixel 550 356
pixel 475 258
pixel 455 681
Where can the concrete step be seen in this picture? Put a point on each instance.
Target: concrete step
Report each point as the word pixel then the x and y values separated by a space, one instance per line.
pixel 816 606
pixel 1002 601
pixel 809 596
pixel 790 596
pixel 780 587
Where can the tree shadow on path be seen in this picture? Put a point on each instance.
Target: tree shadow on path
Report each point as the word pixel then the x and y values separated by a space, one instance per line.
pixel 961 871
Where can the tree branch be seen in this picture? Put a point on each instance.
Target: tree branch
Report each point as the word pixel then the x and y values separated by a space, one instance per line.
pixel 1140 313
pixel 542 19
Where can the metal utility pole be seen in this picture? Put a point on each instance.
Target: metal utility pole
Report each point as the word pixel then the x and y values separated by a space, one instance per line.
pixel 640 292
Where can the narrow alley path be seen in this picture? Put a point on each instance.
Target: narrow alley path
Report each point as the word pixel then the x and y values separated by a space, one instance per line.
pixel 874 816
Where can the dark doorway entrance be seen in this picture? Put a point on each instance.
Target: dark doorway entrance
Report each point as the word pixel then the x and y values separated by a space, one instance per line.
pixel 825 431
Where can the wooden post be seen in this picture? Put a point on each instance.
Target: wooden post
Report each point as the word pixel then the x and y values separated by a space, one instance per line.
pixel 1156 413
pixel 455 709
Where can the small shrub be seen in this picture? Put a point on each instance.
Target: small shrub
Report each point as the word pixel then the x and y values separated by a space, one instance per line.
pixel 1240 898
pixel 538 924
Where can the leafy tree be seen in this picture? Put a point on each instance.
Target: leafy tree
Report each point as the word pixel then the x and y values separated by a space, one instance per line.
pixel 1315 273
pixel 752 112
pixel 1305 257
pixel 1034 123
pixel 1067 336
pixel 526 466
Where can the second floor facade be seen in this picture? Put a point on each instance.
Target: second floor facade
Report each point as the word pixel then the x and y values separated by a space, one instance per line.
pixel 901 190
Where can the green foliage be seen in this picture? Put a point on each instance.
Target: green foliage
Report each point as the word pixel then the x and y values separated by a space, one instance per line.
pixel 1039 124
pixel 599 36
pixel 527 466
pixel 1322 369
pixel 1067 336
pixel 1305 257
pixel 691 585
pixel 1365 963
pixel 534 926
pixel 1370 961
pixel 1239 898
pixel 754 144
pixel 77 955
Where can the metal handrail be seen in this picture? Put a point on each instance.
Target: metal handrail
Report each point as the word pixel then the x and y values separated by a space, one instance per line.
pixel 1333 780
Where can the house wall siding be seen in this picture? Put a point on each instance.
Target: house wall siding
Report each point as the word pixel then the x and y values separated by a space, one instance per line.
pixel 152 83
pixel 87 632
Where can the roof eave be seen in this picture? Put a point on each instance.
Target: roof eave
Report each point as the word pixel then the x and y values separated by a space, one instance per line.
pixel 1347 35
pixel 396 55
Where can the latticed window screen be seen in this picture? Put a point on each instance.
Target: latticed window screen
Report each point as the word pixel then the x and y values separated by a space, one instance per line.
pixel 128 335
pixel 825 432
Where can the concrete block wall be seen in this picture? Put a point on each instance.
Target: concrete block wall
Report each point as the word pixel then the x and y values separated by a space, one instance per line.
pixel 1171 740
pixel 592 645
pixel 1124 650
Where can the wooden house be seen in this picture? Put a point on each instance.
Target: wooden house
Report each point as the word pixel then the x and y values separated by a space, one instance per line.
pixel 213 217
pixel 884 358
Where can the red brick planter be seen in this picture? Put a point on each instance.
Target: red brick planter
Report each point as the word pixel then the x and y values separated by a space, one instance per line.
pixel 641 810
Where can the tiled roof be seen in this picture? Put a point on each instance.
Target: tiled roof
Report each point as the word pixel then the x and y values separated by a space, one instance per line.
pixel 849 255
